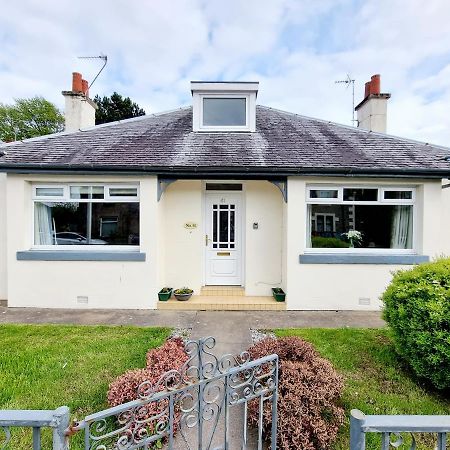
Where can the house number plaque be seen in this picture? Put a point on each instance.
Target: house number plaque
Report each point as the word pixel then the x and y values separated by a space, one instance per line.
pixel 190 225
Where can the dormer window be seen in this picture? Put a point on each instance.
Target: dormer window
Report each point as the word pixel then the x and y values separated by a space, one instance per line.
pixel 224 106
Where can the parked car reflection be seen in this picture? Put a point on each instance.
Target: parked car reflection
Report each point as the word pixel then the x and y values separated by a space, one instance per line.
pixel 70 238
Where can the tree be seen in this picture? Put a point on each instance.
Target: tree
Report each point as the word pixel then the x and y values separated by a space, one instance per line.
pixel 29 117
pixel 115 108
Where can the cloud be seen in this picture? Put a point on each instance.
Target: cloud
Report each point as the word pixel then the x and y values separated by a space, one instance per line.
pixel 295 48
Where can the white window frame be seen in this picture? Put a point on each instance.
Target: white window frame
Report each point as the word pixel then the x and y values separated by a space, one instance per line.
pixel 66 199
pixel 325 215
pixel 245 127
pixel 340 201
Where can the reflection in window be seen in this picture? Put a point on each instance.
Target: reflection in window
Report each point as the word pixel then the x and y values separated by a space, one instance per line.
pixel 86 223
pixel 381 226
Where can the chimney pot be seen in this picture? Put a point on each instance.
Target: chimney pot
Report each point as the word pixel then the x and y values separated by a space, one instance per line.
pixel 367 89
pixel 85 87
pixel 375 84
pixel 77 82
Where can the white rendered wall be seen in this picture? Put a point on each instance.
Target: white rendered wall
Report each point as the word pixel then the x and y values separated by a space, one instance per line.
pixel 445 221
pixel 340 286
pixel 3 273
pixel 264 246
pixel 78 113
pixel 183 248
pixel 372 115
pixel 57 284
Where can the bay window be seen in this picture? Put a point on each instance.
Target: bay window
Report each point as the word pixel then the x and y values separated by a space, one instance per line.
pixel 86 215
pixel 365 218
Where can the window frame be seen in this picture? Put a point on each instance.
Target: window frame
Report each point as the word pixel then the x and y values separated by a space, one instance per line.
pixel 66 199
pixel 380 201
pixel 245 127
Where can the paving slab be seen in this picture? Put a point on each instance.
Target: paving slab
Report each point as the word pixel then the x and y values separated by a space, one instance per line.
pixel 228 320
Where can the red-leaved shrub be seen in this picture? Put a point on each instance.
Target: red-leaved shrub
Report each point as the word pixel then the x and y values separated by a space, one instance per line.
pixel 170 355
pixel 308 389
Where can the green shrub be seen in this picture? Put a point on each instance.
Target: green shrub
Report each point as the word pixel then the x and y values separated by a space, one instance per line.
pixel 417 309
pixel 328 242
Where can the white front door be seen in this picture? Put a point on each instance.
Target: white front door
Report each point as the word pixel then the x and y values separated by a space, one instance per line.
pixel 223 239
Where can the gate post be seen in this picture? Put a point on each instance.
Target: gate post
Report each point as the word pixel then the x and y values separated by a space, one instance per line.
pixel 357 435
pixel 61 417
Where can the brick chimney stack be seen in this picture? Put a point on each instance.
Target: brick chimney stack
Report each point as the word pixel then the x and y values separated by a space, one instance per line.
pixel 80 109
pixel 372 111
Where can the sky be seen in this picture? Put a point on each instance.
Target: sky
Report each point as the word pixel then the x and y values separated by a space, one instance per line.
pixel 296 49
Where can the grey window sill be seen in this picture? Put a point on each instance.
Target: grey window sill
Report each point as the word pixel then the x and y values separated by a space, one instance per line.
pixel 335 258
pixel 67 255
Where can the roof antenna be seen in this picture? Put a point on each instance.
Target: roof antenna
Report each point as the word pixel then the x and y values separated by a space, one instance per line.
pixel 103 58
pixel 349 81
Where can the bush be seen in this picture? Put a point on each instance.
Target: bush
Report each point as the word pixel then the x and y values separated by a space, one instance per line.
pixel 309 387
pixel 417 309
pixel 328 242
pixel 170 355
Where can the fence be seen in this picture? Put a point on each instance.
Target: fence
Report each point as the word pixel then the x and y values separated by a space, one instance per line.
pixel 58 420
pixel 393 426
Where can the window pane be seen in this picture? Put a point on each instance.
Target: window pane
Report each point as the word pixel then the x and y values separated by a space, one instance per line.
pixel 76 223
pixel 223 187
pixel 398 195
pixel 49 191
pixel 360 195
pixel 380 226
pixel 224 112
pixel 323 193
pixel 123 192
pixel 86 192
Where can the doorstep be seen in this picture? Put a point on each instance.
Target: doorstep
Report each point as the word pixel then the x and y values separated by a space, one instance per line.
pixel 223 303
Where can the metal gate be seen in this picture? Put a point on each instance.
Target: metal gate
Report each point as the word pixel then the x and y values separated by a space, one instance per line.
pixel 204 405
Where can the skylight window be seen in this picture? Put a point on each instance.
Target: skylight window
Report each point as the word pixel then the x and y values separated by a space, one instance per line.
pixel 224 106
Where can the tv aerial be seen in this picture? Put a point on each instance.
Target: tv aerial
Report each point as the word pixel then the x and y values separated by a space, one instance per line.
pixel 349 81
pixel 104 58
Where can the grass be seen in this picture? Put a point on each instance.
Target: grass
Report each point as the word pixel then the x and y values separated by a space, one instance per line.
pixel 376 381
pixel 47 366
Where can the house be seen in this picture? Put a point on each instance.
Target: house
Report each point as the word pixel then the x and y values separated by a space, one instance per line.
pixel 223 193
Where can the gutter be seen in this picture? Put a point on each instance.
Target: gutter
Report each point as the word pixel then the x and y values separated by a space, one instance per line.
pixel 200 172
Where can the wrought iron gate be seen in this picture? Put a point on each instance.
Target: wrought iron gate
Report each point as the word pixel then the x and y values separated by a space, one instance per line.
pixel 204 405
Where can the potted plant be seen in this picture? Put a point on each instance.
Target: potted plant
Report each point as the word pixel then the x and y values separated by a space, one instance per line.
pixel 278 294
pixel 165 293
pixel 183 294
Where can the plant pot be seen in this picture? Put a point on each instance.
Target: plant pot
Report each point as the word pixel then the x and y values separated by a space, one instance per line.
pixel 183 297
pixel 164 296
pixel 279 296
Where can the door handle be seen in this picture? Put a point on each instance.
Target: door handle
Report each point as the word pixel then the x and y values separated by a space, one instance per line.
pixel 206 240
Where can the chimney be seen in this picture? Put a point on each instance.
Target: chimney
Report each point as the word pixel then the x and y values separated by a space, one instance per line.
pixel 80 109
pixel 372 111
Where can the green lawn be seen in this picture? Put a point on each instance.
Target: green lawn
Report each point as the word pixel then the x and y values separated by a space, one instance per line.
pixel 47 366
pixel 376 382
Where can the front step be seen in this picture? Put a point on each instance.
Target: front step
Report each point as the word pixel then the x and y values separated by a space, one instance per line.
pixel 222 291
pixel 223 303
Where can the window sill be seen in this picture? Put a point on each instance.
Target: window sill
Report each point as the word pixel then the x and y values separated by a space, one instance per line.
pixel 342 258
pixel 70 255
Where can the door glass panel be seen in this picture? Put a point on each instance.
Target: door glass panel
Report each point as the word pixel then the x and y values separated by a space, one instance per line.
pixel 223 226
pixel 215 225
pixel 231 226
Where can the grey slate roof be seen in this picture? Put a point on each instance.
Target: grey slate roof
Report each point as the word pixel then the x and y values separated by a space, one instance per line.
pixel 283 144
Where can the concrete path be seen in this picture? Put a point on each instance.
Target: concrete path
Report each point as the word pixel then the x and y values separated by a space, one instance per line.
pixel 207 322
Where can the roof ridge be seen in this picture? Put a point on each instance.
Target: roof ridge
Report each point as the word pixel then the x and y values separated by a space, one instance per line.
pixel 358 130
pixel 95 127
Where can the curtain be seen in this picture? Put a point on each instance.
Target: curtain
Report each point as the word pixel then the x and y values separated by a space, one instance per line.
pixel 43 234
pixel 402 221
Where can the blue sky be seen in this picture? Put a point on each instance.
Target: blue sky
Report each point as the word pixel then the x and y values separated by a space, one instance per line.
pixel 296 49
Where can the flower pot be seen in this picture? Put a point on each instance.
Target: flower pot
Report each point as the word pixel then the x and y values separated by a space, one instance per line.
pixel 164 296
pixel 183 297
pixel 278 295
